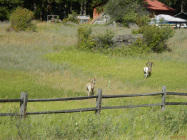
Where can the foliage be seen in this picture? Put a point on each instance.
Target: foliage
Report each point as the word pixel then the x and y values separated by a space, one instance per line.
pixel 155 37
pixel 21 19
pixel 177 4
pixel 143 20
pixel 63 8
pixel 71 18
pixel 3 13
pixel 125 11
pixel 98 42
pixel 154 40
pixel 104 40
pixel 85 41
pixel 101 8
pixel 6 6
pixel 129 18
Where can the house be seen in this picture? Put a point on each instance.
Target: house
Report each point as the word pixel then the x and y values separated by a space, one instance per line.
pixel 156 7
pixel 153 6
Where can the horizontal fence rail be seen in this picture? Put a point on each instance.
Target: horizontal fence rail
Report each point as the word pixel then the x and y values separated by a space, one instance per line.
pixel 10 114
pixel 10 100
pixel 176 93
pixel 62 99
pixel 24 100
pixel 176 103
pixel 63 111
pixel 131 106
pixel 131 95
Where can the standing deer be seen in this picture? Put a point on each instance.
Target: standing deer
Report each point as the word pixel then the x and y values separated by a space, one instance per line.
pixel 90 87
pixel 147 70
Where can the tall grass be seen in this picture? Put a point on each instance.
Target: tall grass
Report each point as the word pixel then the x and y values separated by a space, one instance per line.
pixel 126 70
pixel 46 64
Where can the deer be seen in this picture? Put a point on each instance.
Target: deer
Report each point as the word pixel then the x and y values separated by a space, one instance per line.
pixel 147 70
pixel 90 87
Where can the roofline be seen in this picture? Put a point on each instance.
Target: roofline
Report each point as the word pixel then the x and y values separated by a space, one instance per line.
pixel 180 13
pixel 169 8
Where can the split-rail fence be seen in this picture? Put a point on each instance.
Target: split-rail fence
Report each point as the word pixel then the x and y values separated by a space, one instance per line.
pixel 24 100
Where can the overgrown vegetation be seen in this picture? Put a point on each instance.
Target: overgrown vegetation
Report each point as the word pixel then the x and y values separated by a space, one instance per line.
pixel 127 11
pixel 21 20
pixel 154 40
pixel 50 66
pixel 71 18
pixel 99 42
pixel 85 41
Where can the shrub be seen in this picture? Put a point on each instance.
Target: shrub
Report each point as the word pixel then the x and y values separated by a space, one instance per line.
pixel 21 19
pixel 154 40
pixel 155 37
pixel 104 40
pixel 129 18
pixel 99 42
pixel 143 20
pixel 72 18
pixel 85 41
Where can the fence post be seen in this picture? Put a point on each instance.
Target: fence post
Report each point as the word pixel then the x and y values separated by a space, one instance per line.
pixel 98 101
pixel 23 104
pixel 163 98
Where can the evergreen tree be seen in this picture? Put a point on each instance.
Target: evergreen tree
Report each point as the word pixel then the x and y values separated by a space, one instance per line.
pixel 6 6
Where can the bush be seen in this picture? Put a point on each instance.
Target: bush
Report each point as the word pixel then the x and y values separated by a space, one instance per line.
pixel 154 40
pixel 71 18
pixel 155 37
pixel 104 40
pixel 129 18
pixel 85 41
pixel 21 19
pixel 99 42
pixel 143 20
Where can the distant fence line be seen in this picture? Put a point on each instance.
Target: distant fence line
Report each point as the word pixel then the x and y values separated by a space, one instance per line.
pixel 24 100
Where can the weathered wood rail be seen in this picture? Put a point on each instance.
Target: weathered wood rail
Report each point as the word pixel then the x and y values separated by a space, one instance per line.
pixel 24 100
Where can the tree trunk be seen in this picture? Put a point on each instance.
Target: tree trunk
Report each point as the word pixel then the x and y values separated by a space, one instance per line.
pixel 42 11
pixel 85 5
pixel 35 8
pixel 65 10
pixel 70 7
pixel 182 6
pixel 49 8
pixel 81 8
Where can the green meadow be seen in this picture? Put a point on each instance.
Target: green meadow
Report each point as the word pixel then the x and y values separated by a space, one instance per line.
pixel 47 64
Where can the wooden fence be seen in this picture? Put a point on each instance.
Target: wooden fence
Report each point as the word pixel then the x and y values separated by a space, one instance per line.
pixel 24 99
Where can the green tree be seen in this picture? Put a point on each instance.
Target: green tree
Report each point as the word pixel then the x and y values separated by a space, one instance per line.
pixel 125 11
pixel 6 7
pixel 42 8
pixel 180 5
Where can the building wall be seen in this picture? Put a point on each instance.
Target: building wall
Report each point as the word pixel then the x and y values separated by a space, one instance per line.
pixel 95 13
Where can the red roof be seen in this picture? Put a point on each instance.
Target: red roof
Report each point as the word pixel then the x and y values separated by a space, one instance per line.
pixel 156 5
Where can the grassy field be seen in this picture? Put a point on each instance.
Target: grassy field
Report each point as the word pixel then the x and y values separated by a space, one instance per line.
pixel 46 64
